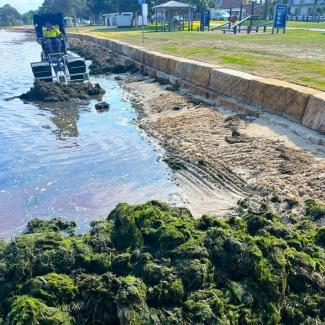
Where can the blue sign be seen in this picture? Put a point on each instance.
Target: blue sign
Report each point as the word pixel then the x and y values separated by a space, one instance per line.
pixel 141 2
pixel 205 18
pixel 280 16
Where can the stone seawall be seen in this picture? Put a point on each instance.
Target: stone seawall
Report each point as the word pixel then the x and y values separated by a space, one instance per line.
pixel 300 104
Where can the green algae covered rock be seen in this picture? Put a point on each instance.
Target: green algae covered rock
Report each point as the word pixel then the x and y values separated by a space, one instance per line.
pixel 28 310
pixel 155 264
pixel 314 209
pixel 54 289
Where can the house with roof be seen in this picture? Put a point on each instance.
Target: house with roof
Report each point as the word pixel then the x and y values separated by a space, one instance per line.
pixel 307 7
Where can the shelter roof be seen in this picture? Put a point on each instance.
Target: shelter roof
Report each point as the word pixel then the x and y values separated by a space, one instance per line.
pixel 174 5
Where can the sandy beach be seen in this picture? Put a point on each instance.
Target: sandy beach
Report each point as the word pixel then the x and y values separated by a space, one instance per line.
pixel 222 156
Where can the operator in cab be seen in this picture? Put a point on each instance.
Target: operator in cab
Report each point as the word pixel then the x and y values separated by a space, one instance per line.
pixel 52 36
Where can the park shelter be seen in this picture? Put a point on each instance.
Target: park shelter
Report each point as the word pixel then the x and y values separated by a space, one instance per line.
pixel 174 15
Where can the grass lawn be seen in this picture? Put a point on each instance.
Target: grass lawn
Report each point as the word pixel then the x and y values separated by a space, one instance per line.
pixel 302 24
pixel 297 56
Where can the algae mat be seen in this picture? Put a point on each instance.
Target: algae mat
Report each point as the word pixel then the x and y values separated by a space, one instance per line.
pixel 153 264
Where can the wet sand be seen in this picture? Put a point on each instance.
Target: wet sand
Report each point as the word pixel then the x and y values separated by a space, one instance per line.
pixel 229 156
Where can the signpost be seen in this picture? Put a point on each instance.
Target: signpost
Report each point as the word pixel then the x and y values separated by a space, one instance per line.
pixel 280 18
pixel 142 3
pixel 205 20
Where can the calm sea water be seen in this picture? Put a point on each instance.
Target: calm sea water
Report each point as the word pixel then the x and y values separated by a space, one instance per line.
pixel 69 161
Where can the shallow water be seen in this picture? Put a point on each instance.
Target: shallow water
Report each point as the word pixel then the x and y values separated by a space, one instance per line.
pixel 69 161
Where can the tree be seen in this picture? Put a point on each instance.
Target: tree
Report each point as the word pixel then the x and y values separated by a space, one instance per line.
pixel 200 4
pixel 98 7
pixel 27 17
pixel 211 4
pixel 95 8
pixel 320 10
pixel 9 16
pixel 67 7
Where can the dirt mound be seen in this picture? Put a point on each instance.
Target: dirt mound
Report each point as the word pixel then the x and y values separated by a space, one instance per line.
pixel 55 92
pixel 103 60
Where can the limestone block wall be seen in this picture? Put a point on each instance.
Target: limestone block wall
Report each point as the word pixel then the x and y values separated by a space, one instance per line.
pixel 297 103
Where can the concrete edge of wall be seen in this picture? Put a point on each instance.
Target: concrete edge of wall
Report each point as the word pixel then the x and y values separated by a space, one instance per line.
pixel 298 103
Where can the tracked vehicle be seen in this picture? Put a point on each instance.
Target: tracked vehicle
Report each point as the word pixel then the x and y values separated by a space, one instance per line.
pixel 56 65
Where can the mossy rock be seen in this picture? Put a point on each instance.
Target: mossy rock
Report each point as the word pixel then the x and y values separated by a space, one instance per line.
pixel 96 262
pixel 152 224
pixel 256 223
pixel 167 293
pixel 314 209
pixel 98 294
pixel 54 289
pixel 125 234
pixel 195 273
pixel 38 225
pixel 229 252
pixel 100 236
pixel 26 310
pixel 205 307
pixel 132 308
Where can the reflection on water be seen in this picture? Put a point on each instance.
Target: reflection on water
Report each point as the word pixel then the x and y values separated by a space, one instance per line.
pixel 65 118
pixel 68 161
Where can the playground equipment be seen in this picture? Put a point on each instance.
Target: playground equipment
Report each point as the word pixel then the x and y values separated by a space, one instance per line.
pixel 251 17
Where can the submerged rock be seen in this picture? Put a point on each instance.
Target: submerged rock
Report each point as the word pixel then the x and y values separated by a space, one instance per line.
pixel 102 107
pixel 55 92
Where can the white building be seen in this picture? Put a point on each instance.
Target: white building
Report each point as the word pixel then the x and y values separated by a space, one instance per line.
pixel 306 7
pixel 126 19
pixel 110 19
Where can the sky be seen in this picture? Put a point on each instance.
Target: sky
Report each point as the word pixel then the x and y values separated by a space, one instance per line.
pixel 22 5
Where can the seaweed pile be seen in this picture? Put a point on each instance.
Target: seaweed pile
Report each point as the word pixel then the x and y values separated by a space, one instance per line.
pixel 103 60
pixel 154 264
pixel 56 92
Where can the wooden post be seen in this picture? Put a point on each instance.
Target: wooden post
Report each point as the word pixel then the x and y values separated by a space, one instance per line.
pixel 240 16
pixel 189 21
pixel 169 20
pixel 252 14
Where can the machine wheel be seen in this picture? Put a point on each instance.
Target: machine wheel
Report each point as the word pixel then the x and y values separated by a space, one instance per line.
pixel 77 69
pixel 42 71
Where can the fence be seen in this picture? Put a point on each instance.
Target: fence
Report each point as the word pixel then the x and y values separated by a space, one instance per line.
pixel 316 19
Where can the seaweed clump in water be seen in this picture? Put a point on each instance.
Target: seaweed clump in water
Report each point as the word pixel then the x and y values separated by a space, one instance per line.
pixel 55 92
pixel 154 264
